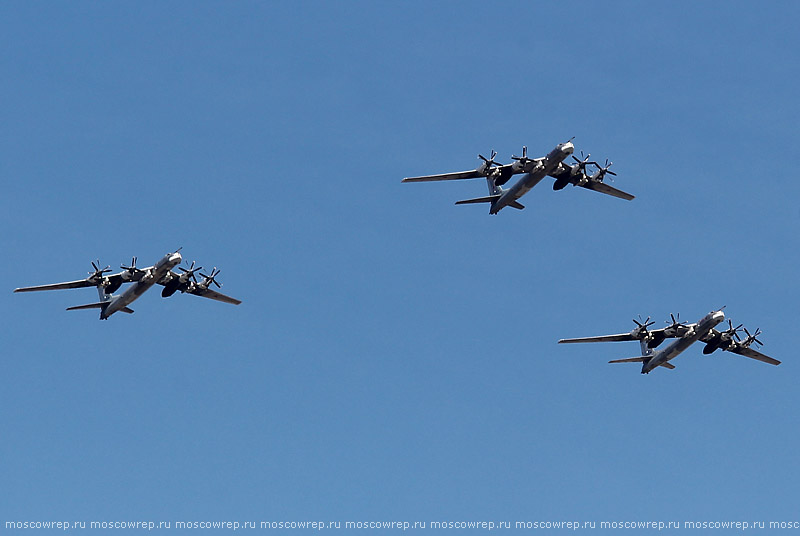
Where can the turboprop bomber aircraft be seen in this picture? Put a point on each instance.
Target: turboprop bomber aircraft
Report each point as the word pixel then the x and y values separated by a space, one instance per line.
pixel 535 169
pixel 704 330
pixel 142 278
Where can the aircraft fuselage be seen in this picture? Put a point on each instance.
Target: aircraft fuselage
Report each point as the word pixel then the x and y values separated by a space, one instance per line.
pixel 675 348
pixel 532 178
pixel 153 275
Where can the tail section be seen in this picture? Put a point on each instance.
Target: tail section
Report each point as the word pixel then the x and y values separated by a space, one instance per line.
pixel 101 292
pixel 103 305
pixel 494 189
pixel 645 359
pixel 495 193
pixel 487 199
pixel 99 305
pixel 631 360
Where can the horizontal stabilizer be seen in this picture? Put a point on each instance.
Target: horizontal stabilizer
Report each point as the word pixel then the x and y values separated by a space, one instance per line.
pixel 670 366
pixel 517 205
pixel 631 360
pixel 127 310
pixel 98 305
pixel 488 199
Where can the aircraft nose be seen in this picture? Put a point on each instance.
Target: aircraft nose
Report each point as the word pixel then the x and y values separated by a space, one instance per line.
pixel 719 315
pixel 568 148
pixel 176 258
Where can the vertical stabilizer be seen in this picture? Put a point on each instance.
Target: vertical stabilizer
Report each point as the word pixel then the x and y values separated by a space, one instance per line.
pixel 101 292
pixel 493 188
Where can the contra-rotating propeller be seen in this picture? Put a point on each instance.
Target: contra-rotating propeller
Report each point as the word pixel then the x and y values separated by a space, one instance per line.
pixel 676 326
pixel 732 332
pixel 523 160
pixel 209 279
pixel 189 273
pixel 98 273
pixel 130 269
pixel 603 171
pixel 752 338
pixel 583 162
pixel 642 325
pixel 180 282
pixel 489 161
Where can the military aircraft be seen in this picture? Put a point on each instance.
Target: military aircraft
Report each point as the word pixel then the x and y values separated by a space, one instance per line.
pixel 535 169
pixel 142 279
pixel 704 330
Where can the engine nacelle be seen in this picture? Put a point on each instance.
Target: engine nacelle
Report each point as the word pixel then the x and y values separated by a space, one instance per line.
pixel 113 284
pixel 561 183
pixel 171 288
pixel 656 339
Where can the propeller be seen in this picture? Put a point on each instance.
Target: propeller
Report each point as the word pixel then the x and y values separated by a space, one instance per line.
pixel 523 160
pixel 97 271
pixel 732 332
pixel 603 171
pixel 582 163
pixel 189 273
pixel 130 269
pixel 752 338
pixel 642 325
pixel 489 161
pixel 209 279
pixel 676 322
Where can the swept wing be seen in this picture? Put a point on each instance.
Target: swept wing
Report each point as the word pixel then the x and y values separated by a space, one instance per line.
pixel 604 188
pixel 632 336
pixel 504 172
pixel 752 354
pixel 198 290
pixel 474 174
pixel 602 338
pixel 214 295
pixel 83 283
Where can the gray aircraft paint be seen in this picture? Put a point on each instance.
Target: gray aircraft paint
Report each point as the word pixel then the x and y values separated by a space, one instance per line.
pixel 153 275
pixel 671 351
pixel 534 170
pixel 530 179
pixel 141 279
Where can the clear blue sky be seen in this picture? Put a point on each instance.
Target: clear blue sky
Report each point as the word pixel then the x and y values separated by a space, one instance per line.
pixel 395 356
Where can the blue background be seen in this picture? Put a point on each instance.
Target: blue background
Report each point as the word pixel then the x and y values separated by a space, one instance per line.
pixel 395 356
